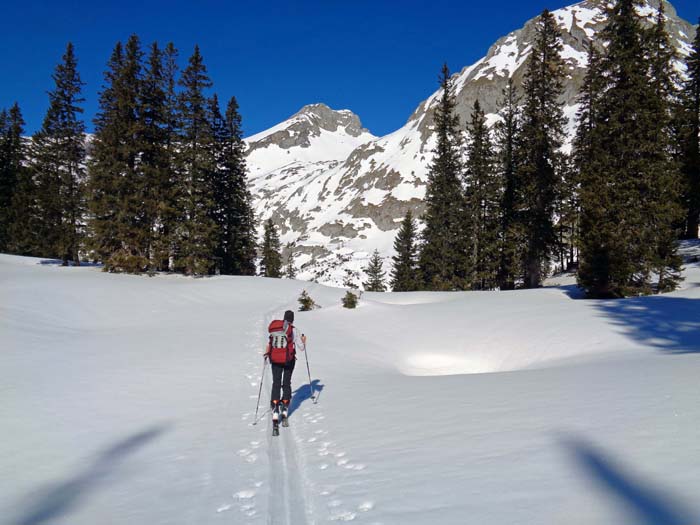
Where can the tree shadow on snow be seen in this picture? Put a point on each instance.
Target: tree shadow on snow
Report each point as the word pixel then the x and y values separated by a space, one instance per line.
pixel 56 500
pixel 644 503
pixel 303 393
pixel 671 324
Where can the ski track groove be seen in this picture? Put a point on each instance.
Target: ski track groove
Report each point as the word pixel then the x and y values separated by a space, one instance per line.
pixel 287 503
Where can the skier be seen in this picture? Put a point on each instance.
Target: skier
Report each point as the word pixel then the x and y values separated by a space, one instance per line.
pixel 281 351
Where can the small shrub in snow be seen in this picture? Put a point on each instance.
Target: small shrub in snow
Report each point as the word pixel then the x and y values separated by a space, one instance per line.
pixel 350 300
pixel 306 303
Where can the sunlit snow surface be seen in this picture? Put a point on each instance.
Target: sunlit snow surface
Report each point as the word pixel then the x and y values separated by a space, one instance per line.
pixel 130 400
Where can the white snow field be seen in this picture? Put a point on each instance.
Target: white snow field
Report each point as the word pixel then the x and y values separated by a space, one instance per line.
pixel 130 400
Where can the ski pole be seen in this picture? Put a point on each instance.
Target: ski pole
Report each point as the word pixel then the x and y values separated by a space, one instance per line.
pixel 308 371
pixel 262 377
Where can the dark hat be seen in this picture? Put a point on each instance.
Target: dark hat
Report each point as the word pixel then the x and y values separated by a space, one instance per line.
pixel 289 316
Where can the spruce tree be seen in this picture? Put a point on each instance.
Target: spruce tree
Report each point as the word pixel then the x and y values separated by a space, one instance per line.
pixel 375 274
pixel 121 212
pixel 12 158
pixel 482 205
pixel 541 139
pixel 663 177
pixel 290 272
pixel 507 132
pixel 169 186
pixel 234 215
pixel 404 273
pixel 57 163
pixel 22 213
pixel 156 162
pixel 196 243
pixel 271 263
pixel 628 180
pixel 443 262
pixel 690 140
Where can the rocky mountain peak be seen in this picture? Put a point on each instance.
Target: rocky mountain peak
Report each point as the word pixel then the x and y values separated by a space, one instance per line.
pixel 310 121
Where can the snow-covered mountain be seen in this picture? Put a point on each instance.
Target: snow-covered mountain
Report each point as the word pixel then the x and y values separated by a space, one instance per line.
pixel 337 192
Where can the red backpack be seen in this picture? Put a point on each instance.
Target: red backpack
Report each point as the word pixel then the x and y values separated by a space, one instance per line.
pixel 281 342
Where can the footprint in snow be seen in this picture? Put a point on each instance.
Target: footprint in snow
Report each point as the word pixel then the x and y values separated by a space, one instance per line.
pixel 343 516
pixel 244 494
pixel 365 506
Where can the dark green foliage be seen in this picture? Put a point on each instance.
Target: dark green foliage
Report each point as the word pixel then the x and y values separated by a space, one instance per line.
pixel 156 166
pixel 507 133
pixel 375 274
pixel 404 273
pixel 482 205
pixel 689 134
pixel 306 303
pixel 541 138
pixel 166 180
pixel 233 211
pixel 196 165
pixel 290 272
pixel 629 182
pixel 57 164
pixel 349 300
pixel 122 178
pixel 271 263
pixel 12 174
pixel 443 252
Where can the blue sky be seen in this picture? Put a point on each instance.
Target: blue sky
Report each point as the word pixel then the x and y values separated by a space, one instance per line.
pixel 376 58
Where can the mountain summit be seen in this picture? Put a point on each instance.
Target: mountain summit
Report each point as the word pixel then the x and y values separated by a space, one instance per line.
pixel 337 192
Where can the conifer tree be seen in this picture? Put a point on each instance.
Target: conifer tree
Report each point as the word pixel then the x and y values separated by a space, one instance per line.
pixel 375 274
pixel 628 182
pixel 57 164
pixel 106 163
pixel 482 203
pixel 507 139
pixel 12 158
pixel 169 186
pixel 291 272
pixel 156 162
pixel 542 135
pixel 196 166
pixel 404 273
pixel 122 214
pixel 662 176
pixel 22 212
pixel 443 253
pixel 271 263
pixel 690 140
pixel 234 215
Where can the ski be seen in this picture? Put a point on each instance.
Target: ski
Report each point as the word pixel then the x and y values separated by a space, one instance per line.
pixel 276 421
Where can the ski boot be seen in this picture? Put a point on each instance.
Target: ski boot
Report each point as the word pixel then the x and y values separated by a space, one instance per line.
pixel 275 418
pixel 284 413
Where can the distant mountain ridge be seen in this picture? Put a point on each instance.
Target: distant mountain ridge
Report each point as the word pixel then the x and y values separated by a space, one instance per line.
pixel 337 192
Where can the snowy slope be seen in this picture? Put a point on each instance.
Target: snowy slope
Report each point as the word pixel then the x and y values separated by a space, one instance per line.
pixel 337 198
pixel 130 400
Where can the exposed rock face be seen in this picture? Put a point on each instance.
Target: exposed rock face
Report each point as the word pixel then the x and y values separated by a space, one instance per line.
pixel 337 192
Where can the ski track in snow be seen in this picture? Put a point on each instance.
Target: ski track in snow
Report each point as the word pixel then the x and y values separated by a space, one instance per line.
pixel 290 481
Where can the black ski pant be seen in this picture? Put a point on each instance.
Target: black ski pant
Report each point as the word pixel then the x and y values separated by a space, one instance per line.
pixel 281 377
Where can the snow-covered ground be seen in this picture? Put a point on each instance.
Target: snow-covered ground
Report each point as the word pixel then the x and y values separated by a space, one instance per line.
pixel 129 400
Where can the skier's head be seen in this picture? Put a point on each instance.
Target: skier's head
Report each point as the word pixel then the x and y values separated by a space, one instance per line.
pixel 289 316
